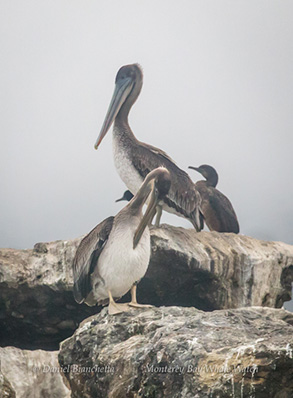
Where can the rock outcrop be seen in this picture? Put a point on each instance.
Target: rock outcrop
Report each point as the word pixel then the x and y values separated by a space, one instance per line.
pixel 206 270
pixel 31 374
pixel 177 352
pixel 6 391
pixel 37 309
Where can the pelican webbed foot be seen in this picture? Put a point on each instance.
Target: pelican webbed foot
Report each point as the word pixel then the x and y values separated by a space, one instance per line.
pixel 134 302
pixel 116 308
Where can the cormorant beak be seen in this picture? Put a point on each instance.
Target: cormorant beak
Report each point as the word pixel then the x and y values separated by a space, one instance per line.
pixel 119 200
pixel 194 168
pixel 122 89
pixel 147 218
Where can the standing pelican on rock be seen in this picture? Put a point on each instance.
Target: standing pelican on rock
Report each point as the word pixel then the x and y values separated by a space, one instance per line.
pixel 135 159
pixel 216 208
pixel 116 253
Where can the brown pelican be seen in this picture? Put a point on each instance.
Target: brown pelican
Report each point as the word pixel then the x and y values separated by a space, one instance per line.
pixel 115 254
pixel 126 196
pixel 216 208
pixel 135 159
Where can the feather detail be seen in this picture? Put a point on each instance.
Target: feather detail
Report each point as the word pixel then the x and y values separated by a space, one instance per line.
pixel 87 256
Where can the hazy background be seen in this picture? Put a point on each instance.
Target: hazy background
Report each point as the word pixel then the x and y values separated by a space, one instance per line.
pixel 218 89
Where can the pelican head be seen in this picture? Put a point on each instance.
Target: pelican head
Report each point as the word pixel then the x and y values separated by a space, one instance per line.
pixel 128 84
pixel 208 172
pixel 158 182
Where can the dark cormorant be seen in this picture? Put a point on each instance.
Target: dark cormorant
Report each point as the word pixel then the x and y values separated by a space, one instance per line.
pixel 216 209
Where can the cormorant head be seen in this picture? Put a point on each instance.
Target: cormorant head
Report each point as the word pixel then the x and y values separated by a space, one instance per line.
pixel 126 196
pixel 208 172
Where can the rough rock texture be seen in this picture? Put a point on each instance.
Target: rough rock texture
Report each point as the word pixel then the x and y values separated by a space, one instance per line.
pixel 6 390
pixel 37 309
pixel 32 374
pixel 206 270
pixel 178 352
pixel 211 270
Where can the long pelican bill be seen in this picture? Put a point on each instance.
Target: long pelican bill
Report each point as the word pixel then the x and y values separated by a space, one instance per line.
pixel 121 92
pixel 147 217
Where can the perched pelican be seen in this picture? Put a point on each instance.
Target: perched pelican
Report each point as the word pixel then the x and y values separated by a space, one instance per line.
pixel 116 253
pixel 135 159
pixel 126 196
pixel 216 208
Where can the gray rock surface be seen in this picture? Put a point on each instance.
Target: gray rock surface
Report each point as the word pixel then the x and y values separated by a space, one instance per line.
pixel 6 390
pixel 211 270
pixel 37 309
pixel 32 374
pixel 178 352
pixel 207 270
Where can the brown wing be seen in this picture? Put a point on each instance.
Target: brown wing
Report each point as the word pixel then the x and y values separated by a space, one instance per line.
pixel 86 258
pixel 217 210
pixel 182 196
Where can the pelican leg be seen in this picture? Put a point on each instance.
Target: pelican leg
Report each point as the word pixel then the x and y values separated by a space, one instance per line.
pixel 158 216
pixel 134 302
pixel 116 308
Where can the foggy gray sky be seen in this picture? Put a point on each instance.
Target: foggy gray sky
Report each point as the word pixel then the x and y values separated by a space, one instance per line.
pixel 218 89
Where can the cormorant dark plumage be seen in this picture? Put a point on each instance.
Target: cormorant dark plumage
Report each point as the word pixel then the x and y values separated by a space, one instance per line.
pixel 216 208
pixel 134 159
pixel 114 256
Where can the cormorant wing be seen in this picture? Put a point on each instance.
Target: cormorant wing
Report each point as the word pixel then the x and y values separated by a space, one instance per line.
pixel 218 211
pixel 86 258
